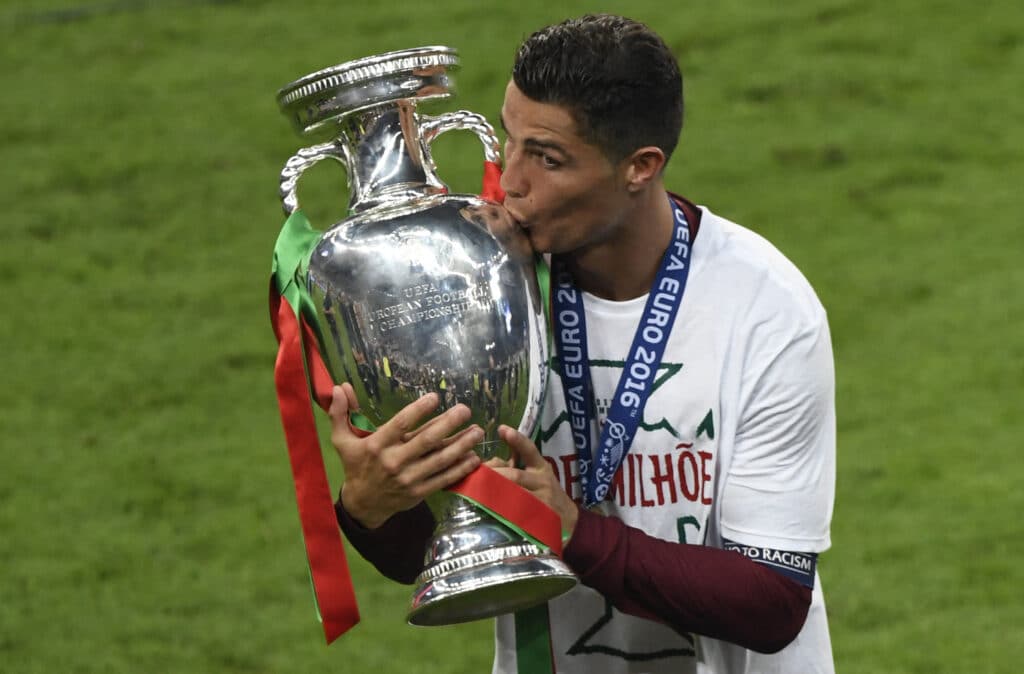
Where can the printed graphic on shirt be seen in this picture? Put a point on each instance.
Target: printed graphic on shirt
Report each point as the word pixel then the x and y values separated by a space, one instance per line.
pixel 707 427
pixel 647 478
pixel 798 566
pixel 597 639
pixel 665 486
pixel 667 371
pixel 683 524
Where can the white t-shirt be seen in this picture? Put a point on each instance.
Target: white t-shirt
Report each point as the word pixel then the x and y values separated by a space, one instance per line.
pixel 737 441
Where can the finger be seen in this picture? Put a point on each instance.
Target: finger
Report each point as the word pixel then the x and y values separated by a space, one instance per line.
pixel 528 480
pixel 338 411
pixel 408 418
pixel 424 467
pixel 522 447
pixel 350 394
pixel 444 442
pixel 435 434
pixel 497 462
pixel 433 421
pixel 342 435
pixel 451 464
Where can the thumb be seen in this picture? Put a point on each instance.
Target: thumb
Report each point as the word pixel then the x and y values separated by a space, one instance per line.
pixel 343 404
pixel 338 411
pixel 522 447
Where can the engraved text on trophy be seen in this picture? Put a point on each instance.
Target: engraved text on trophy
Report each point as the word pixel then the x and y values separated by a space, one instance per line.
pixel 427 301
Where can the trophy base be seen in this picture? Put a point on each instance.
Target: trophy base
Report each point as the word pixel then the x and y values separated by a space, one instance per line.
pixel 519 577
pixel 477 568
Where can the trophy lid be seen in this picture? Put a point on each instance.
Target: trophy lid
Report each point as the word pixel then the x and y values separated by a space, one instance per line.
pixel 317 99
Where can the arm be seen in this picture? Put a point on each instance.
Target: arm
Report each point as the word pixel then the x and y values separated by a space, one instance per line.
pixel 691 588
pixel 687 587
pixel 396 547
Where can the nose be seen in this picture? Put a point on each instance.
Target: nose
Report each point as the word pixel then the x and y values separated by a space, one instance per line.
pixel 512 179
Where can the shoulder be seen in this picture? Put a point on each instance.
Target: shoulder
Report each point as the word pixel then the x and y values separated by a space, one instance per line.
pixel 762 282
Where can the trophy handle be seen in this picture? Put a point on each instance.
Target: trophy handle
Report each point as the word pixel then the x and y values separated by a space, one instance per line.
pixel 462 120
pixel 297 165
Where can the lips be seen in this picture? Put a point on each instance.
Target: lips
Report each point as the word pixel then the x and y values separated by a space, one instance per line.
pixel 518 218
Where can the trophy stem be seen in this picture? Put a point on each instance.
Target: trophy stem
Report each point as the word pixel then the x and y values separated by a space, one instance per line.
pixel 476 567
pixel 385 156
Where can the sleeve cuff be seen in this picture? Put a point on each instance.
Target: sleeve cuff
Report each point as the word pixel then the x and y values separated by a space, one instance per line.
pixel 594 544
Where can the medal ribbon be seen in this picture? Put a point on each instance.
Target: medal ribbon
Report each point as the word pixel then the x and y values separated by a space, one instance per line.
pixel 596 470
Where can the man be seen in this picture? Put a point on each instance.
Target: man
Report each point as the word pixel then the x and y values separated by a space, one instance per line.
pixel 697 504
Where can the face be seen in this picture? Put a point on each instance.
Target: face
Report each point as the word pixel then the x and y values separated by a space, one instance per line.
pixel 563 191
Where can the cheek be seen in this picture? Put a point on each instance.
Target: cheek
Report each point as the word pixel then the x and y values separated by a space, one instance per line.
pixel 561 198
pixel 571 211
pixel 581 207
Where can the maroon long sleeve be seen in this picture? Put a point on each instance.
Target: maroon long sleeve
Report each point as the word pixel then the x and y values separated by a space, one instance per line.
pixel 692 588
pixel 397 547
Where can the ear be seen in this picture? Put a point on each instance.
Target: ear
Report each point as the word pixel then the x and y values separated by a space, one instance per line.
pixel 643 167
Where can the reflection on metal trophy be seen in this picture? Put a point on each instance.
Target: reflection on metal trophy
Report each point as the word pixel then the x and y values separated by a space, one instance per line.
pixel 420 290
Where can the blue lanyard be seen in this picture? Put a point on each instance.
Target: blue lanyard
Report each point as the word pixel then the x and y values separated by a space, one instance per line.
pixel 625 412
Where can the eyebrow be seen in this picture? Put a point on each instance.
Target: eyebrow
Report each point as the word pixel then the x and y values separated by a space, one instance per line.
pixel 533 142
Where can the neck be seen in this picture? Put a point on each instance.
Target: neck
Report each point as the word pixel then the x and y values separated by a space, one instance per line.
pixel 624 266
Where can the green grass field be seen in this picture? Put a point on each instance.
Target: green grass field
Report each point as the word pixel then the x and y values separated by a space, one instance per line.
pixel 147 519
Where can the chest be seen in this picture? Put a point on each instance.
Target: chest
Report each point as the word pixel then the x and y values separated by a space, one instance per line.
pixel 669 471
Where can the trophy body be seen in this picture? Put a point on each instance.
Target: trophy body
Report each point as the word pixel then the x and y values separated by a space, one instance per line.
pixel 420 290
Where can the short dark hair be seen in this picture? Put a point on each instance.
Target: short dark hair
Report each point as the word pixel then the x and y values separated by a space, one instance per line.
pixel 615 75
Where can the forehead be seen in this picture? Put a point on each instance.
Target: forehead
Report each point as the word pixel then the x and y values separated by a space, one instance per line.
pixel 524 117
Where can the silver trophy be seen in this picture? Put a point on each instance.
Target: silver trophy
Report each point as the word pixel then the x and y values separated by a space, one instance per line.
pixel 420 290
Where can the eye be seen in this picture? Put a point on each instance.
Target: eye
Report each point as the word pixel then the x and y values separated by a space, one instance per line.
pixel 549 162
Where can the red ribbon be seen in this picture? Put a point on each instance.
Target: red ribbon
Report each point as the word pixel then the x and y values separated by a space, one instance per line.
pixel 492 183
pixel 514 504
pixel 328 566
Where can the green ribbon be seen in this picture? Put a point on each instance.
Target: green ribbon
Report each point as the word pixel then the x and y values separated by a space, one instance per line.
pixel 291 261
pixel 292 251
pixel 533 641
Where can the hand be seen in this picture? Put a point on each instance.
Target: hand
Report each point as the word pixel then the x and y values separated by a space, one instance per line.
pixel 400 464
pixel 535 476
